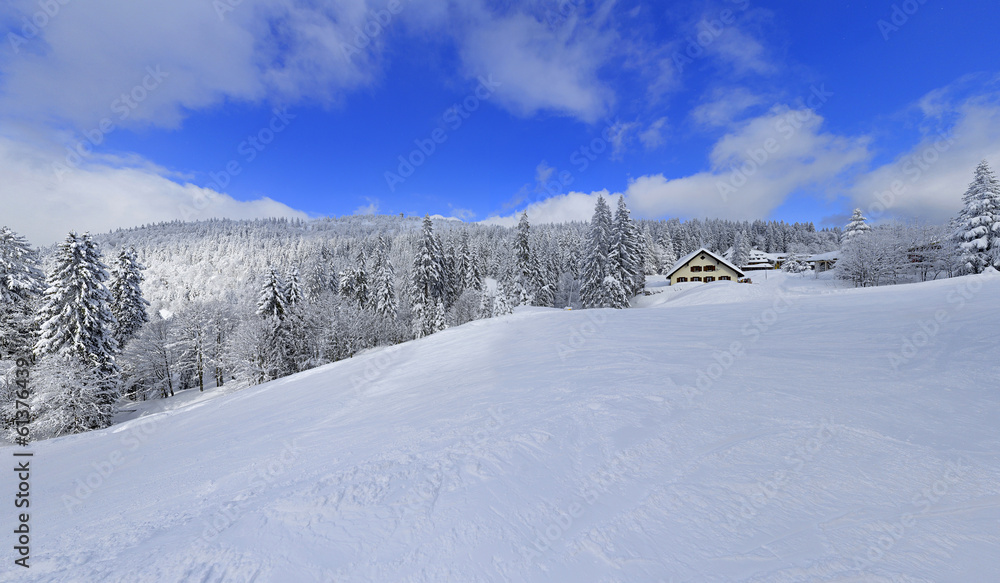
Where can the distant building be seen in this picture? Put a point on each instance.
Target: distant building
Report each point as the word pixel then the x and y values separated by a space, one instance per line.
pixel 760 260
pixel 824 261
pixel 704 266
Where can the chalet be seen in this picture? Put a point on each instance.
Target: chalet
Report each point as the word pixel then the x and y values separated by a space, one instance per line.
pixel 703 266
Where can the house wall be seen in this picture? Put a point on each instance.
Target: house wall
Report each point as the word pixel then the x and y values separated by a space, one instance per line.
pixel 721 270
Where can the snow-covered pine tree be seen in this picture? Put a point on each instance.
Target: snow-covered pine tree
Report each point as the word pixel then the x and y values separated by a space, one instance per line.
pixel 75 317
pixel 427 281
pixel 21 284
pixel 501 305
pixel 855 227
pixel 596 263
pixel 68 397
pixel 794 263
pixel 615 292
pixel 355 284
pixel 383 285
pixel 440 322
pixel 741 249
pixel 293 290
pixel 525 266
pixel 669 256
pixel 21 276
pixel 128 305
pixel 76 323
pixel 486 301
pixel 271 300
pixel 626 253
pixel 977 227
pixel 472 277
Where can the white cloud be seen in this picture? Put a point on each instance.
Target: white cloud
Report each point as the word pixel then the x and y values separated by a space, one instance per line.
pixel 99 197
pixel 754 169
pixel 573 206
pixel 92 53
pixel 368 209
pixel 652 136
pixel 927 181
pixel 724 106
pixel 742 51
pixel 543 172
pixel 541 68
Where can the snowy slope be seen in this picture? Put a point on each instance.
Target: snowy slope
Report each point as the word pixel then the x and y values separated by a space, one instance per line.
pixel 633 446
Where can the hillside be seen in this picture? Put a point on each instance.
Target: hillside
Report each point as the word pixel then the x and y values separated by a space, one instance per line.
pixel 786 432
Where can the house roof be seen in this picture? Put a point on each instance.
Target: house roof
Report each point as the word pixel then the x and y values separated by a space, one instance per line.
pixel 830 255
pixel 687 258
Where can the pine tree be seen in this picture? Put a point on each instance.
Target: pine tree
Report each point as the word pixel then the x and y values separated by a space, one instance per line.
pixel 472 276
pixel 355 284
pixel 486 301
pixel 794 263
pixel 68 397
pixel 271 300
pixel 439 317
pixel 128 305
pixel 77 325
pixel 625 254
pixel 383 286
pixel 741 249
pixel 76 317
pixel 501 305
pixel 855 227
pixel 428 281
pixel 596 264
pixel 20 274
pixel 977 227
pixel 293 290
pixel 526 273
pixel 21 285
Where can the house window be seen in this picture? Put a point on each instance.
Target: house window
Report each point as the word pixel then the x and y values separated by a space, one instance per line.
pixel 682 279
pixel 695 279
pixel 709 268
pixel 709 278
pixel 725 278
pixel 695 268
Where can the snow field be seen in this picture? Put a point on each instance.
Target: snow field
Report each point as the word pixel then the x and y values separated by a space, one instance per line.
pixel 728 433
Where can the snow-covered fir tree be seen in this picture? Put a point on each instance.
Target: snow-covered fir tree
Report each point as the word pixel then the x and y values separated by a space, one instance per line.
pixel 293 289
pixel 128 305
pixel 271 299
pixel 76 317
pixel 741 249
pixel 501 304
pixel 427 281
pixel 625 255
pixel 21 284
pixel 76 325
pixel 354 283
pixel 977 227
pixel 67 397
pixel 596 262
pixel 668 256
pixel 857 225
pixel 384 281
pixel 526 274
pixel 795 263
pixel 440 322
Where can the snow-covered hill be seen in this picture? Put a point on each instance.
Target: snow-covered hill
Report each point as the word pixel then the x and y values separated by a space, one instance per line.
pixel 786 433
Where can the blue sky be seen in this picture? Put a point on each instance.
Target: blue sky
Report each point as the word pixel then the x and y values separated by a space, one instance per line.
pixel 728 108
